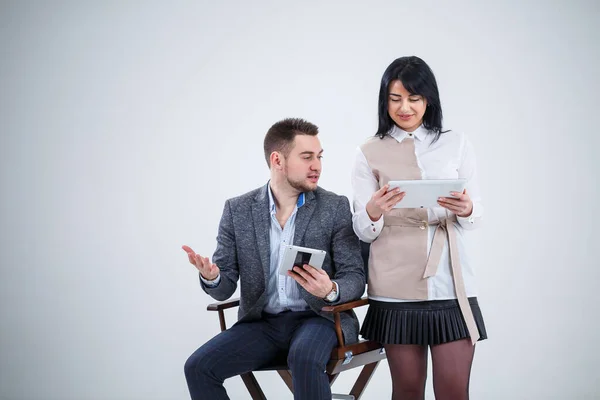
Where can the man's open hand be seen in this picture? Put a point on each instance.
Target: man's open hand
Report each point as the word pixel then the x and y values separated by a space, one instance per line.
pixel 208 270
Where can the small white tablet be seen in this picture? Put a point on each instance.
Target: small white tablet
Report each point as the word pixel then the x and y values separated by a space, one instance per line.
pixel 298 256
pixel 424 193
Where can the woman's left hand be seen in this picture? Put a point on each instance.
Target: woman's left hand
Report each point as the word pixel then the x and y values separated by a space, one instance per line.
pixel 462 205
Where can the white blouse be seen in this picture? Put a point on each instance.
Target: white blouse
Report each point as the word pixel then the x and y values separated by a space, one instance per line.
pixel 450 157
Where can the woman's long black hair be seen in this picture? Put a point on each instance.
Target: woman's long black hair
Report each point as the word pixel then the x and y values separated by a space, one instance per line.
pixel 418 79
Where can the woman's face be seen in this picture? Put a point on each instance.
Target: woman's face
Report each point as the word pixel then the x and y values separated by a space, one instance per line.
pixel 406 110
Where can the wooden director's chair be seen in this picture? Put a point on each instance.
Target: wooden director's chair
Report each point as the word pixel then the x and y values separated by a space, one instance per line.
pixel 366 354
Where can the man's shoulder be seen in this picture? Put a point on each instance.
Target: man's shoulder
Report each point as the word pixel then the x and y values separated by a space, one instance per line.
pixel 324 198
pixel 248 197
pixel 327 197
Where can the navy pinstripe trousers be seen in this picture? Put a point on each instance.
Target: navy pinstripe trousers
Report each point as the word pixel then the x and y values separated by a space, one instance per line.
pixel 305 337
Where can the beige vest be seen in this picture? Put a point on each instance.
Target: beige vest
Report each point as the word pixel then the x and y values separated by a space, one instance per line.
pixel 398 263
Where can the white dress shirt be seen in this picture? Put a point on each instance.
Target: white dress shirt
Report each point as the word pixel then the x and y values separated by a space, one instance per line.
pixel 450 157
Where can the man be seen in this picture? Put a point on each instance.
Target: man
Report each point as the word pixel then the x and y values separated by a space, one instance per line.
pixel 280 314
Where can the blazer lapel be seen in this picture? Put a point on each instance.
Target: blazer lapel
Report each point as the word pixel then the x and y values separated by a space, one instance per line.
pixel 303 217
pixel 262 222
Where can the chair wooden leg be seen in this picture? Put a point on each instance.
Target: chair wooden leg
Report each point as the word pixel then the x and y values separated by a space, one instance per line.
pixel 363 379
pixel 253 386
pixel 286 375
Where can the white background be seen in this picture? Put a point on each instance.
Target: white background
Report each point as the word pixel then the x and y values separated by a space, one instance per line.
pixel 126 125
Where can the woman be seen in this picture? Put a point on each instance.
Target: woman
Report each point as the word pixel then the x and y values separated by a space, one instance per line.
pixel 421 282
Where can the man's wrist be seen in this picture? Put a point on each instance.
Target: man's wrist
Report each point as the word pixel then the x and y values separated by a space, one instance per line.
pixel 208 279
pixel 211 283
pixel 333 293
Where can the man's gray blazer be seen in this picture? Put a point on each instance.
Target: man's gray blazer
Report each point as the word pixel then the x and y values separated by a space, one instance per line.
pixel 243 251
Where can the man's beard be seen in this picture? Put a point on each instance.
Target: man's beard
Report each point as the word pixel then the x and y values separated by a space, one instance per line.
pixel 300 185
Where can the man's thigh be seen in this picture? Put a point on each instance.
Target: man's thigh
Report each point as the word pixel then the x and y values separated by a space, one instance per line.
pixel 313 341
pixel 242 348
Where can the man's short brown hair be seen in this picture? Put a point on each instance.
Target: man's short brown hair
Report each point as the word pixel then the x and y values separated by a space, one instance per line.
pixel 281 135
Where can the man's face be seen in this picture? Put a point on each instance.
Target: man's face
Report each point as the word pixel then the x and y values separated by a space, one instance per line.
pixel 302 167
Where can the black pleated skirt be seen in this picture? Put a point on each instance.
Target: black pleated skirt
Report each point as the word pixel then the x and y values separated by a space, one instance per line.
pixel 422 322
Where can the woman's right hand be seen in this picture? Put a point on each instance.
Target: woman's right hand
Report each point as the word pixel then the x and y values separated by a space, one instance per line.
pixel 383 201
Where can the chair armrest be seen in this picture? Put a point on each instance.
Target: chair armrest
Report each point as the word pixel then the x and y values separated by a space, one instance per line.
pixel 222 305
pixel 336 310
pixel 346 306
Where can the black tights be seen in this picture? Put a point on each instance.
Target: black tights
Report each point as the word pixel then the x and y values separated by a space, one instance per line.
pixel 451 370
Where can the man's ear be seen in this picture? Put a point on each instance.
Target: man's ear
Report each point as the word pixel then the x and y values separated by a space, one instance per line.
pixel 276 159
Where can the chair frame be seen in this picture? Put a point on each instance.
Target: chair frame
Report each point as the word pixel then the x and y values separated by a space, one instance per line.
pixel 366 354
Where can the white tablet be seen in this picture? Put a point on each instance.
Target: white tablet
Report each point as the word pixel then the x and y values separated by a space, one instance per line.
pixel 298 256
pixel 424 193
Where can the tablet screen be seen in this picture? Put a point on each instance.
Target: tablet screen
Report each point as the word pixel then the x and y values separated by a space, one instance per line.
pixel 301 259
